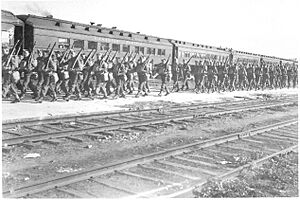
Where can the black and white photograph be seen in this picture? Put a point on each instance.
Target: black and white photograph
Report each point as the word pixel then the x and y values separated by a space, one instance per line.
pixel 149 98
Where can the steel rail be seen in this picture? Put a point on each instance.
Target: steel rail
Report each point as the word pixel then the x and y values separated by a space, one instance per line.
pixel 109 127
pixel 97 171
pixel 6 124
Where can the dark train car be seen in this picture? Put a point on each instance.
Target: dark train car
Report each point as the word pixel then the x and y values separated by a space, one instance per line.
pixel 45 30
pixel 11 28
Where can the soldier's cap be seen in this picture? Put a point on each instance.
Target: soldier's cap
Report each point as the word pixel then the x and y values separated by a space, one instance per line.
pixel 25 51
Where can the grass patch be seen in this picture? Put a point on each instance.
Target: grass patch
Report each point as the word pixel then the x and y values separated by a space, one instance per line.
pixel 278 177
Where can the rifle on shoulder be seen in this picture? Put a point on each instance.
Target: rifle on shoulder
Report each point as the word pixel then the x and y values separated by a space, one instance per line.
pixel 76 59
pixel 30 56
pixel 124 57
pixel 11 53
pixel 88 57
pixel 49 57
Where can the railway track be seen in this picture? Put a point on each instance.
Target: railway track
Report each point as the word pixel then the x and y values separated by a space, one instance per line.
pixel 173 172
pixel 98 125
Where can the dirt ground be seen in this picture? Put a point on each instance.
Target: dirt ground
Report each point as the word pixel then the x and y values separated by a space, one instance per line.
pixel 70 156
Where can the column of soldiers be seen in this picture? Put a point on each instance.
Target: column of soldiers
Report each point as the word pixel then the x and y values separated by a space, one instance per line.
pixel 212 75
pixel 70 73
pixel 49 73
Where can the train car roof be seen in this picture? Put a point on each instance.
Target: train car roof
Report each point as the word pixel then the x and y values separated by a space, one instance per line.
pixel 8 17
pixel 75 27
pixel 208 47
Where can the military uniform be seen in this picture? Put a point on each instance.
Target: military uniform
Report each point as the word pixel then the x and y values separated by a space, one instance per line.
pixel 74 72
pixel 27 66
pixel 10 77
pixel 142 76
pixel 101 73
pixel 186 76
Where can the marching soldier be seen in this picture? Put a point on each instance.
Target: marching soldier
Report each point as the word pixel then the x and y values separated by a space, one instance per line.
pixel 75 66
pixel 101 73
pixel 49 73
pixel 142 76
pixel 27 65
pixel 241 76
pixel 164 70
pixel 10 74
pixel 186 75
pixel 295 75
pixel 250 76
pixel 221 76
pixel 231 76
pixel 175 75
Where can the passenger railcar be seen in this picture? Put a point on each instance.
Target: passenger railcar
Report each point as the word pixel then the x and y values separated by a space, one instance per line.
pixel 12 29
pixel 45 30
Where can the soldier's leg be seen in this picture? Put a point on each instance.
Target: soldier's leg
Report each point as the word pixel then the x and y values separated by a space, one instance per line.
pixel 103 89
pixel 52 85
pixel 25 84
pixel 39 85
pixel 6 84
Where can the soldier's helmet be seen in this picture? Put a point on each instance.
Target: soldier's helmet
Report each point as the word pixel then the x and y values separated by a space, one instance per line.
pixel 46 53
pixel 73 53
pixel 26 53
pixel 99 55
pixel 5 50
pixel 176 60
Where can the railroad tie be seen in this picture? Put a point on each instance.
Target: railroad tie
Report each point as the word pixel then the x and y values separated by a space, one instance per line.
pixel 27 145
pixel 76 139
pixel 111 186
pixel 52 141
pixel 147 178
pixel 138 128
pixel 94 136
pixel 76 193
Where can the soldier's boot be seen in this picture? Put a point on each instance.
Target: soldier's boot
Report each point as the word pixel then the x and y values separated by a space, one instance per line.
pixel 22 95
pixel 16 100
pixel 78 97
pixel 138 94
pixel 39 100
pixel 159 94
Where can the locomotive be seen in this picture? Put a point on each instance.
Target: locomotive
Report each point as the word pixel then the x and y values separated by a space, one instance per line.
pixel 47 30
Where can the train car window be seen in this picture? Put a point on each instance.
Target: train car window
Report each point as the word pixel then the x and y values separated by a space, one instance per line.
pixel 142 50
pixel 63 43
pixel 104 46
pixel 136 49
pixel 148 50
pixel 163 52
pixel 129 35
pixel 116 47
pixel 73 26
pixel 126 48
pixel 92 45
pixel 78 43
pixel 159 52
pixel 57 24
pixel 111 32
pixel 153 51
pixel 121 34
pixel 99 30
